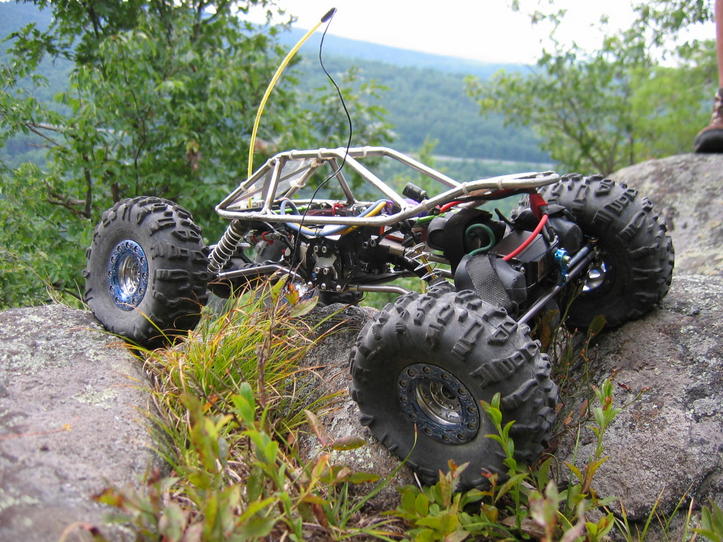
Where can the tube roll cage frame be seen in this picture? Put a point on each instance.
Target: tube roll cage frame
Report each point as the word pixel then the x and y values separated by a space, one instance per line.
pixel 286 173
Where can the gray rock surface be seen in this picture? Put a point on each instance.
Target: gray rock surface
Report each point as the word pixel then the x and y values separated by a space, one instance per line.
pixel 331 360
pixel 686 189
pixel 668 369
pixel 71 422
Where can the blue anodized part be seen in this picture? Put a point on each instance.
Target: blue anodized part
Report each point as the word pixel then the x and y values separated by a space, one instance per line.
pixel 562 258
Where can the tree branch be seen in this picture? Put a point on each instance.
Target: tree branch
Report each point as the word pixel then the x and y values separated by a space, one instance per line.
pixel 37 127
pixel 75 206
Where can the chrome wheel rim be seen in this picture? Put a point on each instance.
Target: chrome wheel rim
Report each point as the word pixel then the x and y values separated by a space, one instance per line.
pixel 595 278
pixel 127 274
pixel 438 403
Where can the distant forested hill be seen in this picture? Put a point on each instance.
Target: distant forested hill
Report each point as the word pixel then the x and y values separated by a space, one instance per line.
pixel 14 16
pixel 363 50
pixel 425 96
pixel 428 103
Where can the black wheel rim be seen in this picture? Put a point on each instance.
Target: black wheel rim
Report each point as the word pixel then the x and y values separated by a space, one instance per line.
pixel 438 403
pixel 127 274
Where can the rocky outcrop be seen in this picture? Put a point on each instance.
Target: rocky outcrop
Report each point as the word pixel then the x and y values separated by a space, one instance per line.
pixel 330 360
pixel 667 367
pixel 687 191
pixel 72 403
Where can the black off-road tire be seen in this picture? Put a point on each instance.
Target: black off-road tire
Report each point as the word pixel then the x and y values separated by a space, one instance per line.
pixel 424 364
pixel 636 256
pixel 146 270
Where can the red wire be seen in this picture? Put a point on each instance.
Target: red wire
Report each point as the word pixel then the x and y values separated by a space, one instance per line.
pixel 537 201
pixel 448 206
pixel 527 241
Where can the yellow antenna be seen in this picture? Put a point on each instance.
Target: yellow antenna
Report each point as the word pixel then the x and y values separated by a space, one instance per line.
pixel 285 62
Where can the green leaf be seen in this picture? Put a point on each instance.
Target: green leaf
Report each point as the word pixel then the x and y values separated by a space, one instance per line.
pixel 542 474
pixel 348 443
pixel 245 404
pixel 362 477
pixel 421 505
pixel 256 527
pixel 110 497
pixel 512 482
pixel 304 307
pixel 711 523
pixel 255 507
pixel 576 471
pixel 172 522
pixel 408 500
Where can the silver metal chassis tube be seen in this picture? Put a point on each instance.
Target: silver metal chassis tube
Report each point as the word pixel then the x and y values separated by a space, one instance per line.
pixel 422 168
pixel 263 269
pixel 377 182
pixel 375 288
pixel 342 181
pixel 494 183
pixel 271 188
pixel 572 275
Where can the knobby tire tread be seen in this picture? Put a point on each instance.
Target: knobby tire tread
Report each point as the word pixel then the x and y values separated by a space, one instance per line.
pixel 481 346
pixel 177 261
pixel 633 236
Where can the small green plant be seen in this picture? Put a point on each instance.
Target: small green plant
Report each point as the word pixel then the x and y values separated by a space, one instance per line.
pixel 230 401
pixel 711 523
pixel 525 504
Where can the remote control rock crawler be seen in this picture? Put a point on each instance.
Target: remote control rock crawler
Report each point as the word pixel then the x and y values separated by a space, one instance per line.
pixel 421 367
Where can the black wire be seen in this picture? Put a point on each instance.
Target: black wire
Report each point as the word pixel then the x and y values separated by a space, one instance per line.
pixel 297 244
pixel 341 99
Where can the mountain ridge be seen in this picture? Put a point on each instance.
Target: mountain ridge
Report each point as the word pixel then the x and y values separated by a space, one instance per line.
pixel 425 96
pixel 366 50
pixel 333 45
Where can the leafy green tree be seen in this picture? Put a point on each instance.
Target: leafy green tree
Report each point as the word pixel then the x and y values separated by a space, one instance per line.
pixel 612 107
pixel 161 99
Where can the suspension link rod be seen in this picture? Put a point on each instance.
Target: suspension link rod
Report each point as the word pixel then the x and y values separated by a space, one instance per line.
pixel 572 275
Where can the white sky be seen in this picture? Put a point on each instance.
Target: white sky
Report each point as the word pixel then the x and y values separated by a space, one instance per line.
pixel 485 30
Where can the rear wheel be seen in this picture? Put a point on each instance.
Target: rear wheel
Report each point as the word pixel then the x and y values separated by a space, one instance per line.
pixel 146 270
pixel 634 267
pixel 421 368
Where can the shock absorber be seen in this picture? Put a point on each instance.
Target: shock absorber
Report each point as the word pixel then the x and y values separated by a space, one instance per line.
pixel 222 252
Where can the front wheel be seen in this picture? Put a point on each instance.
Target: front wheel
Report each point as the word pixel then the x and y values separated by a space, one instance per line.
pixel 146 270
pixel 421 368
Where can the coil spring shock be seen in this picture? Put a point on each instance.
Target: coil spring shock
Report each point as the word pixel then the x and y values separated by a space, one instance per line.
pixel 418 255
pixel 222 252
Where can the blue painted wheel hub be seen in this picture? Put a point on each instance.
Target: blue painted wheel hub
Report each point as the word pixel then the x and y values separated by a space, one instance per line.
pixel 127 274
pixel 438 403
